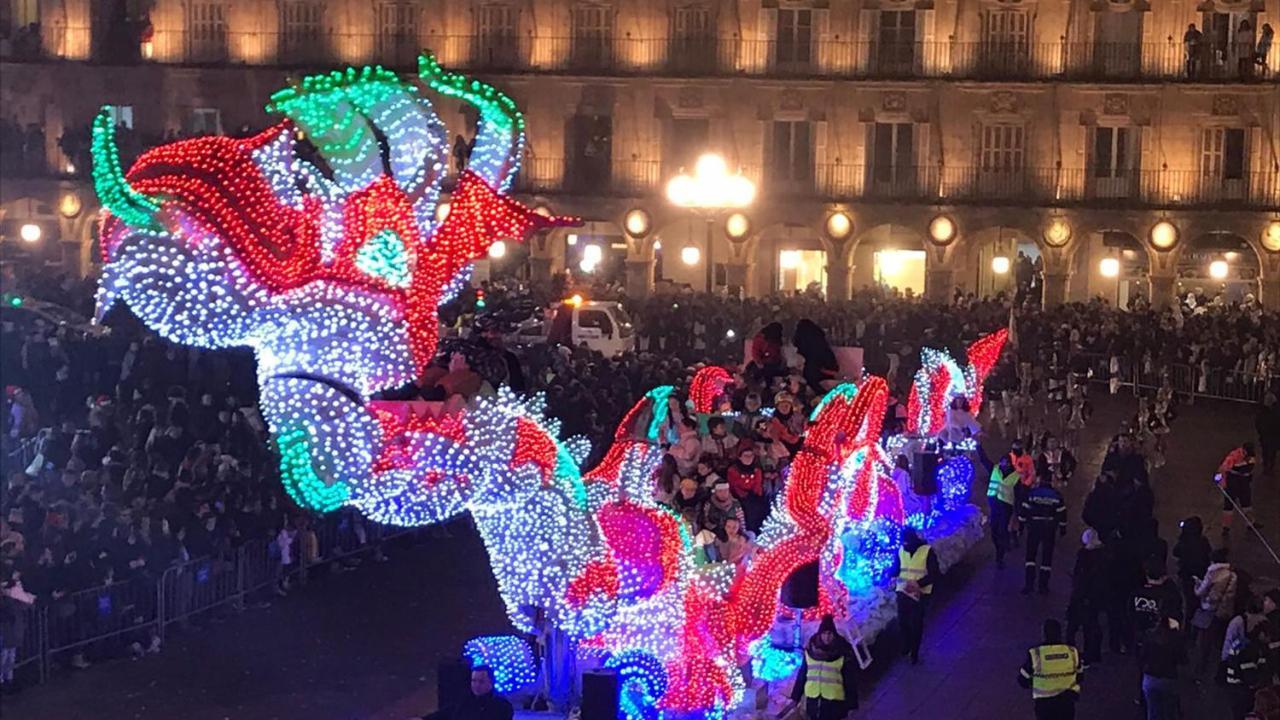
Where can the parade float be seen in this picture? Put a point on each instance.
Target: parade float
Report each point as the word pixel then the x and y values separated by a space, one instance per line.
pixel 319 244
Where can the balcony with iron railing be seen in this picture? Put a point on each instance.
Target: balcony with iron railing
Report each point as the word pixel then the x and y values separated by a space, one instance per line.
pixel 938 184
pixel 679 56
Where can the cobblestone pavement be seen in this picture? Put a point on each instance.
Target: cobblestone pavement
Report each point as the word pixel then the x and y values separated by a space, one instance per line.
pixel 365 644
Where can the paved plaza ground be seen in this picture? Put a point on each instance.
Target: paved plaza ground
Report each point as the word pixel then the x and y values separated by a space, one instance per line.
pixel 365 644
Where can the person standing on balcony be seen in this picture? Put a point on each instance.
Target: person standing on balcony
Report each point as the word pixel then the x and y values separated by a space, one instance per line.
pixel 1192 46
pixel 1244 50
pixel 1265 41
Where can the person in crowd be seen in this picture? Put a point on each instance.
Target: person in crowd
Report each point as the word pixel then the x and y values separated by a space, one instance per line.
pixel 1216 593
pixel 1043 512
pixel 705 472
pixel 1235 476
pixel 1243 623
pixel 1266 704
pixel 1158 597
pixel 1000 500
pixel 827 679
pixel 1192 552
pixel 687 449
pixel 15 601
pixel 735 545
pixel 1052 672
pixel 1267 424
pixel 1266 39
pixel 719 507
pixel 766 354
pixel 1056 462
pixel 916 571
pixel 1089 594
pixel 820 366
pixel 1162 650
pixel 689 497
pixel 718 444
pixel 482 704
pixel 746 480
pixel 1271 608
pixel 787 425
pixel 1247 670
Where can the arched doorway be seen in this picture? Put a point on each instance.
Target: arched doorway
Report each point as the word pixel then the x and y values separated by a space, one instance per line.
pixel 1219 264
pixel 797 257
pixel 1112 265
pixel 1002 259
pixel 595 252
pixel 889 256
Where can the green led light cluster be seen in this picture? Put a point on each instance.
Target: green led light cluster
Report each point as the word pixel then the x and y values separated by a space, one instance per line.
pixel 299 477
pixel 327 107
pixel 113 190
pixel 494 106
pixel 385 256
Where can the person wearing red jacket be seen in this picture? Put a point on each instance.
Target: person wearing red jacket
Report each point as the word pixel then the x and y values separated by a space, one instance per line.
pixel 1235 476
pixel 746 481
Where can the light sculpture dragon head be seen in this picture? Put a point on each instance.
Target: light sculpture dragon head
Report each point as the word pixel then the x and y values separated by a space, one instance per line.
pixel 316 243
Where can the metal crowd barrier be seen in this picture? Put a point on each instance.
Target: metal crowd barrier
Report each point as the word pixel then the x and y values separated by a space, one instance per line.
pixel 109 618
pixel 1187 381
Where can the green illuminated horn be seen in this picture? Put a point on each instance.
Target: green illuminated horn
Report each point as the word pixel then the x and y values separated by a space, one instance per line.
pixel 109 182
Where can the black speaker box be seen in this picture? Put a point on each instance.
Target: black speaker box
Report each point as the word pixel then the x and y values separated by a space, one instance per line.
pixel 600 695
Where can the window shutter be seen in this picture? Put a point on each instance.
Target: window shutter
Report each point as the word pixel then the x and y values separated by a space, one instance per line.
pixel 821 39
pixel 927 52
pixel 866 37
pixel 820 143
pixel 861 157
pixel 924 167
pixel 768 33
pixel 1254 148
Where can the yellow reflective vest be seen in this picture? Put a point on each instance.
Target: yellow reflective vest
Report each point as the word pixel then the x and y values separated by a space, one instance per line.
pixel 1001 486
pixel 824 679
pixel 1054 670
pixel 913 566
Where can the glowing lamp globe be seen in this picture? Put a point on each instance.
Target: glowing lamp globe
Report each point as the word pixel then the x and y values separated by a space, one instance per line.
pixel 942 230
pixel 690 255
pixel 1109 267
pixel 839 225
pixel 498 250
pixel 1271 236
pixel 1219 269
pixel 737 226
pixel 1164 235
pixel 30 233
pixel 789 259
pixel 1000 265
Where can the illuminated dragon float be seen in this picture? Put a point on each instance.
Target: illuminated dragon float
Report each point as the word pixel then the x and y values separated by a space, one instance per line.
pixel 319 244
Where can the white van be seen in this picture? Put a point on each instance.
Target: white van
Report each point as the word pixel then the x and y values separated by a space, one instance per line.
pixel 603 325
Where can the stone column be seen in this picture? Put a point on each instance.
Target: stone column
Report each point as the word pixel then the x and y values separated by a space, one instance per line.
pixel 1163 291
pixel 1055 289
pixel 639 277
pixel 939 283
pixel 838 276
pixel 1270 295
pixel 539 269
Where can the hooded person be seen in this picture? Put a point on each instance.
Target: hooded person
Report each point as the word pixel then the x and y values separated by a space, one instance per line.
pixel 827 680
pixel 820 365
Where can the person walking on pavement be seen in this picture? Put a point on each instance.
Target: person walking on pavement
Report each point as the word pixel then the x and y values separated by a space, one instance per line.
pixel 1088 595
pixel 1216 592
pixel 916 571
pixel 1043 512
pixel 1247 669
pixel 1162 649
pixel 827 681
pixel 1235 476
pixel 1267 424
pixel 1158 598
pixel 1000 498
pixel 1052 672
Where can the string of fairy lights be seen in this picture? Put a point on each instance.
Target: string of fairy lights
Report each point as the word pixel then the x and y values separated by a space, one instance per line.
pixel 317 244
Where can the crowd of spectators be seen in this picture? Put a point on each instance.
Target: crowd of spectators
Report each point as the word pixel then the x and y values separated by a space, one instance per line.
pixel 143 456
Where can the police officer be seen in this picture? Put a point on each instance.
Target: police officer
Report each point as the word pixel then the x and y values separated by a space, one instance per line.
pixel 1052 671
pixel 827 678
pixel 1044 513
